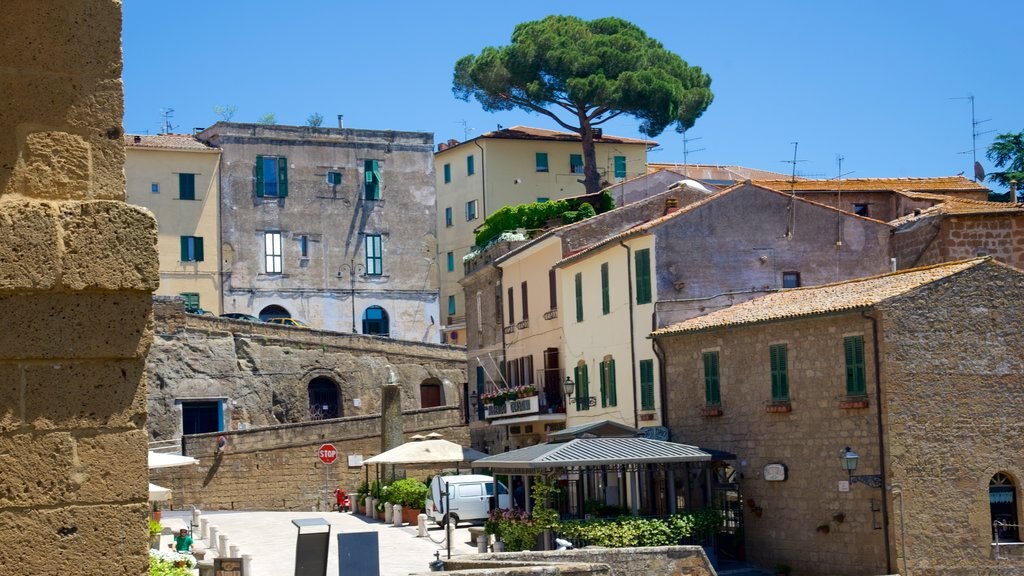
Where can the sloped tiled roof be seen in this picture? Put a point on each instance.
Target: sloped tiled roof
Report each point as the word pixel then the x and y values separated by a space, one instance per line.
pixel 595 452
pixel 817 300
pixel 960 207
pixel 530 133
pixel 167 141
pixel 717 172
pixel 936 184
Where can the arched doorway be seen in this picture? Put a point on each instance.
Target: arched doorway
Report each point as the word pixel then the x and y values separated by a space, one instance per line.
pixel 1002 502
pixel 431 393
pixel 375 321
pixel 324 401
pixel 274 311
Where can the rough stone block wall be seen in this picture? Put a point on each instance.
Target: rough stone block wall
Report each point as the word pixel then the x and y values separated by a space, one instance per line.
pixel 999 236
pixel 953 375
pixel 917 244
pixel 667 560
pixel 77 266
pixel 277 468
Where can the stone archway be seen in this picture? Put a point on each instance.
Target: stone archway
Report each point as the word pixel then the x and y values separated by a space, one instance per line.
pixel 431 393
pixel 274 311
pixel 324 399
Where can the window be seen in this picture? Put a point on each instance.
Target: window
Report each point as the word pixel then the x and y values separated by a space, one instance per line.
pixel 552 294
pixel 790 279
pixel 334 178
pixel 712 392
pixel 855 379
pixel 201 417
pixel 526 304
pixel 186 186
pixel 272 252
pixel 643 276
pixel 448 217
pixel 576 163
pixel 323 399
pixel 480 389
pixel 451 261
pixel 470 210
pixel 542 161
pixel 542 199
pixel 470 165
pixel 579 296
pixel 620 167
pixel 608 395
pixel 606 304
pixel 191 249
pixel 647 384
pixel 447 173
pixel 374 255
pixel 860 210
pixel 582 387
pixel 375 321
pixel 154 187
pixel 304 246
pixel 371 169
pixel 430 393
pixel 191 301
pixel 451 304
pixel 511 307
pixel 779 358
pixel 1002 499
pixel 271 176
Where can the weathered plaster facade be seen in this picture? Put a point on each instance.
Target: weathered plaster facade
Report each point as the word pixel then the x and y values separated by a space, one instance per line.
pixel 338 254
pixel 77 267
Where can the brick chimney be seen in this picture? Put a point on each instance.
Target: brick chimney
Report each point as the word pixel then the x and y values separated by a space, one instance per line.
pixel 671 205
pixel 1012 196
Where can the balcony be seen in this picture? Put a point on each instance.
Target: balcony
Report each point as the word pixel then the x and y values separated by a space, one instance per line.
pixel 551 314
pixel 523 324
pixel 506 408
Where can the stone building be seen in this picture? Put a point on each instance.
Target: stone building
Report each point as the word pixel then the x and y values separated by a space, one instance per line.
pixel 77 269
pixel 332 226
pixel 913 376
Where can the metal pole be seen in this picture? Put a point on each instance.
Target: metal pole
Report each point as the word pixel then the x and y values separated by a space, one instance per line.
pixel 448 524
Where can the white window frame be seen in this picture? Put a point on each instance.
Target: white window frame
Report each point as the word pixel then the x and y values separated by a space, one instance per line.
pixel 273 258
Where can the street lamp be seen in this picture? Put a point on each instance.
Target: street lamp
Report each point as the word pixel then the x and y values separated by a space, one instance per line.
pixel 353 269
pixel 569 387
pixel 850 459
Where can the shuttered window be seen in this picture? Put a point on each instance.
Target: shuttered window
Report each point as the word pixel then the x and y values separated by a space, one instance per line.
pixel 606 303
pixel 712 391
pixel 271 176
pixel 371 170
pixel 526 301
pixel 541 161
pixel 579 296
pixel 647 384
pixel 779 358
pixel 447 173
pixel 374 255
pixel 855 375
pixel 470 165
pixel 576 163
pixel 609 396
pixel 191 249
pixel 186 186
pixel 620 167
pixel 643 276
pixel 582 388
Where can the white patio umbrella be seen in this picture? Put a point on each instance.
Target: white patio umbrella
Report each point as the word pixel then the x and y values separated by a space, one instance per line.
pixel 424 452
pixel 163 460
pixel 158 493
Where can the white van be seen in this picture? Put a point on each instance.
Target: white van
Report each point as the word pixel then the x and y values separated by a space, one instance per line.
pixel 469 498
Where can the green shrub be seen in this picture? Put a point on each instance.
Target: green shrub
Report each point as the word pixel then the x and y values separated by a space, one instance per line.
pixel 628 531
pixel 536 215
pixel 408 492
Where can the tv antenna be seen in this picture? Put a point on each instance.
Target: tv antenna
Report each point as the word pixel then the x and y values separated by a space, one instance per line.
pixel 166 127
pixel 979 172
pixel 687 151
pixel 793 163
pixel 465 129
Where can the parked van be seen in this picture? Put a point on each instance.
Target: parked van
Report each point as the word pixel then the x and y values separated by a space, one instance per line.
pixel 469 498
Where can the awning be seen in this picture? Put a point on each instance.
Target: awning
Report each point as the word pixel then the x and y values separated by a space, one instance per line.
pixel 529 419
pixel 158 493
pixel 164 460
pixel 582 452
pixel 420 452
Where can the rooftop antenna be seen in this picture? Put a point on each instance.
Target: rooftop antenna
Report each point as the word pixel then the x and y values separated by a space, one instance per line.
pixel 686 151
pixel 979 172
pixel 465 129
pixel 839 197
pixel 166 127
pixel 791 225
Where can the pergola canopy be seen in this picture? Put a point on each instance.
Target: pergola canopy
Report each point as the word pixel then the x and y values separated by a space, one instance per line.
pixel 593 452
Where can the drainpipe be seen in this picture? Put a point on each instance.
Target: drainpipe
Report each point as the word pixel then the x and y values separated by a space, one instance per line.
pixel 662 391
pixel 483 181
pixel 632 335
pixel 881 436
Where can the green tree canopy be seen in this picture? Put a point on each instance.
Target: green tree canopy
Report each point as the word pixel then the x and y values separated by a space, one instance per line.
pixel 1007 150
pixel 582 74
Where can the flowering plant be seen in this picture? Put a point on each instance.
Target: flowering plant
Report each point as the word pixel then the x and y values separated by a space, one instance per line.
pixel 524 391
pixel 172 558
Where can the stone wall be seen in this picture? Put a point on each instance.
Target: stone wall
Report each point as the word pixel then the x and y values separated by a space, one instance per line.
pixel 77 266
pixel 277 468
pixel 659 560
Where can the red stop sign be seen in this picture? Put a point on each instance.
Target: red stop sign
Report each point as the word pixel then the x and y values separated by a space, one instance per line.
pixel 328 453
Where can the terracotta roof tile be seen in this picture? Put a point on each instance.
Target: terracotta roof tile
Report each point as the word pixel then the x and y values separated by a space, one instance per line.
pixel 718 172
pixel 817 300
pixel 941 183
pixel 959 207
pixel 166 141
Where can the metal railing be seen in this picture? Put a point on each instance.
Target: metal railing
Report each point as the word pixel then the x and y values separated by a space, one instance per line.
pixel 1004 533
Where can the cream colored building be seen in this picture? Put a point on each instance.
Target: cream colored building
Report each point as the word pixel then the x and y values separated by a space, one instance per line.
pixel 511 166
pixel 176 177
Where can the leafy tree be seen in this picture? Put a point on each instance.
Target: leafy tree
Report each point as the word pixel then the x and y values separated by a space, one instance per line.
pixel 1007 150
pixel 225 112
pixel 582 74
pixel 315 119
pixel 267 118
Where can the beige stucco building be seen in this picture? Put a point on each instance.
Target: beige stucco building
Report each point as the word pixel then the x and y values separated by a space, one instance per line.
pixel 176 177
pixel 508 167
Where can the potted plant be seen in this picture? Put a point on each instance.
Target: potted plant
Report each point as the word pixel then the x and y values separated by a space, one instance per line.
pixel 411 495
pixel 781 569
pixel 154 533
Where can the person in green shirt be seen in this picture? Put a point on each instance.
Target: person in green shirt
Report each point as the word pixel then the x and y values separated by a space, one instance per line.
pixel 182 542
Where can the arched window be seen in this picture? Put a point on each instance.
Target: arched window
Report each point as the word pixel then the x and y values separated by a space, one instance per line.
pixel 375 321
pixel 431 393
pixel 323 399
pixel 274 311
pixel 1002 498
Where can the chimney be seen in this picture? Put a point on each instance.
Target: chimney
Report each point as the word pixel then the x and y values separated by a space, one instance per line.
pixel 1012 196
pixel 453 143
pixel 671 205
pixel 138 139
pixel 441 146
pixel 341 121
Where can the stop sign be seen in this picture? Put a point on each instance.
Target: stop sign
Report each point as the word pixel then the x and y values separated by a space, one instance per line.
pixel 328 453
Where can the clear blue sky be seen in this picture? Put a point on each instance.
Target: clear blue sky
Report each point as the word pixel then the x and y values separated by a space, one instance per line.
pixel 873 81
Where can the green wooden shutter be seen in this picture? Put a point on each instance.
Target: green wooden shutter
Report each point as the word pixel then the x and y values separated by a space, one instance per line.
pixel 643 276
pixel 606 304
pixel 613 397
pixel 647 384
pixel 579 296
pixel 447 173
pixel 184 249
pixel 620 166
pixel 576 163
pixel 282 177
pixel 198 248
pixel 586 388
pixel 541 161
pixel 601 369
pixel 578 379
pixel 186 186
pixel 480 414
pixel 259 176
pixel 855 373
pixel 780 375
pixel 712 392
pixel 470 167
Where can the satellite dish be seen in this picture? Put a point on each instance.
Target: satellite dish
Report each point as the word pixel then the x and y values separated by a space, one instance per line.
pixel 979 172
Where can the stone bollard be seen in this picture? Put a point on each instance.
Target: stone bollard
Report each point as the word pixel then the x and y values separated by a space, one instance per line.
pixel 222 545
pixel 421 526
pixel 247 563
pixel 214 531
pixel 396 515
pixel 196 516
pixel 204 526
pixel 234 551
pixel 481 543
pixel 372 512
pixel 367 509
pixel 388 512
